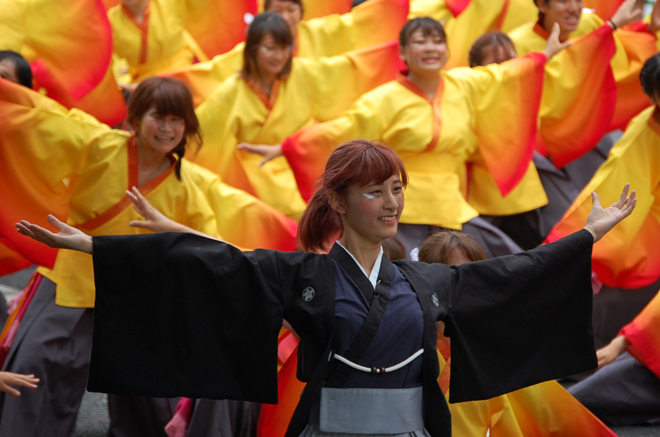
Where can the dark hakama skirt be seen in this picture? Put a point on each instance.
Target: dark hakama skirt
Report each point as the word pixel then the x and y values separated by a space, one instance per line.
pixel 53 343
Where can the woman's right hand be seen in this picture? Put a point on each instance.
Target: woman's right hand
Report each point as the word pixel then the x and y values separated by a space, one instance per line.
pixel 268 152
pixel 626 14
pixel 553 45
pixel 68 237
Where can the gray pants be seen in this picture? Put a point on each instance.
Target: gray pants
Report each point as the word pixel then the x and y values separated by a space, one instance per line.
pixel 211 418
pixel 622 393
pixel 53 343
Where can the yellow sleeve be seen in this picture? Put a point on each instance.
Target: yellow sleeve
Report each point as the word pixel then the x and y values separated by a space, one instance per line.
pixel 242 219
pixel 42 145
pixel 505 100
pixel 205 77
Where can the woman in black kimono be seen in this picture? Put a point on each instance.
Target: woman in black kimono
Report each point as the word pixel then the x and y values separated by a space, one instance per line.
pixel 181 315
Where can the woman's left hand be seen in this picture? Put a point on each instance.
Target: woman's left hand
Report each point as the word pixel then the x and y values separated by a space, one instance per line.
pixel 602 220
pixel 154 220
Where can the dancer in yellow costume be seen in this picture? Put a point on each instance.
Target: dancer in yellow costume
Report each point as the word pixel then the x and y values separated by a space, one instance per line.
pixel 437 122
pixel 635 43
pixel 475 19
pixel 629 258
pixel 275 96
pixel 369 24
pixel 87 168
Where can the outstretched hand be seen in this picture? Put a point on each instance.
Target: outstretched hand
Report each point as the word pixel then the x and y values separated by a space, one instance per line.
pixel 554 46
pixel 601 220
pixel 68 237
pixel 268 152
pixel 154 220
pixel 7 379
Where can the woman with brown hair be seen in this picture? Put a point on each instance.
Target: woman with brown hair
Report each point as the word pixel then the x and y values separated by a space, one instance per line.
pixel 67 161
pixel 274 96
pixel 367 326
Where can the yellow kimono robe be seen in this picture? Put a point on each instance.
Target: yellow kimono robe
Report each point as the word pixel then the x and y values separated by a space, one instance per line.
pixel 634 45
pixel 369 24
pixel 627 257
pixel 74 165
pixel 69 49
pixel 157 44
pixel 239 112
pixel 490 109
pixel 466 21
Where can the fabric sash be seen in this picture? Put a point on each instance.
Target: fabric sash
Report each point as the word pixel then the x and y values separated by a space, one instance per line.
pixel 371 410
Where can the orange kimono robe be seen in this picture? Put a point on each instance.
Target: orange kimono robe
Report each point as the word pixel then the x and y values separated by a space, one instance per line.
pixel 644 335
pixel 634 45
pixel 627 256
pixel 490 110
pixel 240 112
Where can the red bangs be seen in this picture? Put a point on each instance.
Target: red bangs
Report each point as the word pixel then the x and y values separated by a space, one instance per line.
pixel 360 163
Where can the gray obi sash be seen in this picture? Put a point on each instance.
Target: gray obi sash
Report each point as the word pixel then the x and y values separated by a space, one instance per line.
pixel 369 410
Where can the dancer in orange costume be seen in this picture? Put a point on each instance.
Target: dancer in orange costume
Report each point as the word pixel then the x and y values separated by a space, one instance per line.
pixel 635 43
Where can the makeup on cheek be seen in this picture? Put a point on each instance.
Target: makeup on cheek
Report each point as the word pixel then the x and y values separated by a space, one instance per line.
pixel 369 196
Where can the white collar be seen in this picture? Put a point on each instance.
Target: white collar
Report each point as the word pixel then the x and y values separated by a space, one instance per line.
pixel 375 270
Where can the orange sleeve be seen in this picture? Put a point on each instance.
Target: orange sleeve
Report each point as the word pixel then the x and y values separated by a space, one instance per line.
pixel 636 45
pixel 580 77
pixel 644 335
pixel 218 26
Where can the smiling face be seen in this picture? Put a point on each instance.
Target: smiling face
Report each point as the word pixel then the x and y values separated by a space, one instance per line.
pixel 271 57
pixel 564 12
pixel 290 11
pixel 424 54
pixel 160 133
pixel 371 212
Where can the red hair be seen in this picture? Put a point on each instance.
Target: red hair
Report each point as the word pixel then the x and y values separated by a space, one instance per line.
pixel 357 162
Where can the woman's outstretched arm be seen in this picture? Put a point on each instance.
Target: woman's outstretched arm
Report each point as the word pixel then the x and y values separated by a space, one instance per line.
pixel 68 237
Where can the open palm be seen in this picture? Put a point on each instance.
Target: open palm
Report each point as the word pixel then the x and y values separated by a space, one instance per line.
pixel 601 220
pixel 68 237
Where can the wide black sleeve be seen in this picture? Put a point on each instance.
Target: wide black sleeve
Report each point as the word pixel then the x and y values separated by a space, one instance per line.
pixel 182 315
pixel 521 319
